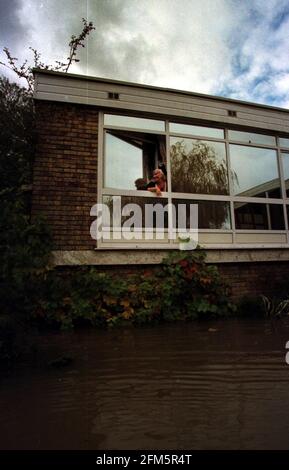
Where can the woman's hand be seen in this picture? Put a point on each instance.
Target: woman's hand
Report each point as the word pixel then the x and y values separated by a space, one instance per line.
pixel 156 190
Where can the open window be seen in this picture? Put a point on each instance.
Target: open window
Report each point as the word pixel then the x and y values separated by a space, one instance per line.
pixel 130 156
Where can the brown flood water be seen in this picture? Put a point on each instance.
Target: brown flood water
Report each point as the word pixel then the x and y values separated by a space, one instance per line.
pixel 183 386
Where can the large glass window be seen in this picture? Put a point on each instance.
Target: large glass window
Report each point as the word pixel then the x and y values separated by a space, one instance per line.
pixel 131 156
pixel 198 166
pixel 222 171
pixel 254 171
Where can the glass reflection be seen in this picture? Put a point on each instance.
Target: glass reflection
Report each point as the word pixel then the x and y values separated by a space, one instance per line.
pixel 254 171
pixel 198 166
pixel 196 130
pixel 133 122
pixel 131 156
pixel 252 216
pixel 123 163
pixel 251 138
pixel 211 214
pixel 145 206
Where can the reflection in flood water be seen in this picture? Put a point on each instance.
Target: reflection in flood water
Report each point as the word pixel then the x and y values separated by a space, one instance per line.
pixel 222 385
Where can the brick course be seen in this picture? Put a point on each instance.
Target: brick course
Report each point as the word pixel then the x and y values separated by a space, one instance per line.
pixel 65 171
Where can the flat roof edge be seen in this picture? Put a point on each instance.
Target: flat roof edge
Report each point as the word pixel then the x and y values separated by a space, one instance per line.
pixel 157 88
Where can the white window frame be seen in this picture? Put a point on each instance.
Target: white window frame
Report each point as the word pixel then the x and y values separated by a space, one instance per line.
pixel 230 198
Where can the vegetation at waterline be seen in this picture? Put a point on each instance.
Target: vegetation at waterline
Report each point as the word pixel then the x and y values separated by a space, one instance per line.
pixel 184 287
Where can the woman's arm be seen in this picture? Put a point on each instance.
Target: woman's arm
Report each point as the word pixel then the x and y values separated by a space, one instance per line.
pixel 155 189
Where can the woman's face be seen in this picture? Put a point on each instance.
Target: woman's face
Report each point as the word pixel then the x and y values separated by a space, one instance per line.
pixel 157 175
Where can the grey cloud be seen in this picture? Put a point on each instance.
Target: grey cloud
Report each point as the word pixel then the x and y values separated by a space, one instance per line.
pixel 125 59
pixel 110 52
pixel 64 18
pixel 11 30
pixel 107 13
pixel 118 48
pixel 47 25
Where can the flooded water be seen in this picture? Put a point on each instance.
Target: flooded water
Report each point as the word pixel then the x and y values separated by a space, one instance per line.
pixel 221 385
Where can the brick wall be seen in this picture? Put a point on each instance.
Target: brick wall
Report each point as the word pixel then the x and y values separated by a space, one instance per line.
pixel 65 171
pixel 251 279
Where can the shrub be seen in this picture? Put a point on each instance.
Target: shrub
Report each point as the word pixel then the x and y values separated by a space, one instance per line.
pixel 184 288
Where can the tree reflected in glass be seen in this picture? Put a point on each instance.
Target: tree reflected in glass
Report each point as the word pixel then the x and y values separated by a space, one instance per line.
pixel 198 167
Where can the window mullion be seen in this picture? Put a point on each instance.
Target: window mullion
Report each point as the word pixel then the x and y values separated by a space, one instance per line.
pixel 169 183
pixel 230 184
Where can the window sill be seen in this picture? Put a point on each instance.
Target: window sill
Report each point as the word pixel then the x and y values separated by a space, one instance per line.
pixel 125 257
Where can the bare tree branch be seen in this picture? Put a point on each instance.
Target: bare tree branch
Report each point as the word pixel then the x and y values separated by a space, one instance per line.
pixel 26 71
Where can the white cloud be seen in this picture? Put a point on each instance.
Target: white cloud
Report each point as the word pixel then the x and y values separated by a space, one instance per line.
pixel 232 47
pixel 263 53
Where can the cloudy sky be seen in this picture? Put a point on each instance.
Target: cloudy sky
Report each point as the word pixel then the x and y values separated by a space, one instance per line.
pixel 233 48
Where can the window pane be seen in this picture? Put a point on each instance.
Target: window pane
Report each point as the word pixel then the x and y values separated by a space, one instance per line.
pixel 133 122
pixel 196 130
pixel 123 163
pixel 145 211
pixel 211 214
pixel 254 171
pixel 198 166
pixel 252 138
pixel 285 161
pixel 276 217
pixel 283 142
pixel 258 216
pixel 131 156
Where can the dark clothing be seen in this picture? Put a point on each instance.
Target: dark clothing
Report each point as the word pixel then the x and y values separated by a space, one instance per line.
pixel 151 184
